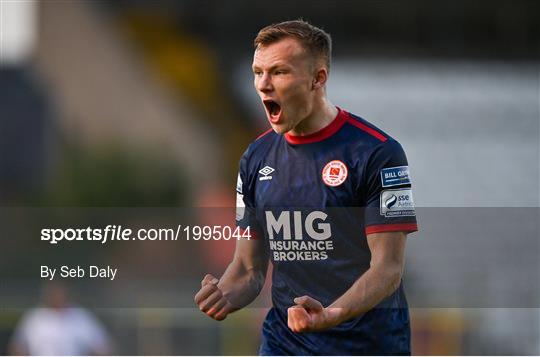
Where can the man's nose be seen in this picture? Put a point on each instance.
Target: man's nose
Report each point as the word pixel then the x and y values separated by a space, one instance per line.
pixel 264 83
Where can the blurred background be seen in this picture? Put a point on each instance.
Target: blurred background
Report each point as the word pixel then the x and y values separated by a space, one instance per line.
pixel 151 104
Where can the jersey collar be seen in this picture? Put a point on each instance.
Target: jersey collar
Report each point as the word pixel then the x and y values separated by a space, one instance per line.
pixel 322 134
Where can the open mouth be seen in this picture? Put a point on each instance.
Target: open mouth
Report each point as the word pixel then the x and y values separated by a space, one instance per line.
pixel 273 109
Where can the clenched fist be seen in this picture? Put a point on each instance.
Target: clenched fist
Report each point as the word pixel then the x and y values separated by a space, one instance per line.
pixel 309 315
pixel 211 300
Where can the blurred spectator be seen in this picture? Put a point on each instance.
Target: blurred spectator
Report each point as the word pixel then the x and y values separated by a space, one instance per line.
pixel 59 328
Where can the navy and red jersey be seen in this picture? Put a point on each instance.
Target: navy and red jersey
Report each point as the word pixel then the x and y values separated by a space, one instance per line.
pixel 313 200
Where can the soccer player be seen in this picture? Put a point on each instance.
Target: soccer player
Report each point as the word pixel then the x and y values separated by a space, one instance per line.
pixel 337 269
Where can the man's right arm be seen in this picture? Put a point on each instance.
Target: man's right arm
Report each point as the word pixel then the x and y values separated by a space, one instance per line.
pixel 240 284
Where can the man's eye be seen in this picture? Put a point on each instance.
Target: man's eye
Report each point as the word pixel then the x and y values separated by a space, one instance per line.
pixel 257 73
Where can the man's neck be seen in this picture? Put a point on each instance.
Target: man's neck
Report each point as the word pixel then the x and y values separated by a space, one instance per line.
pixel 322 115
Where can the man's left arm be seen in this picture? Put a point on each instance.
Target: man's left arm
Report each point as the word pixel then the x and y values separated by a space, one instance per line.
pixel 381 279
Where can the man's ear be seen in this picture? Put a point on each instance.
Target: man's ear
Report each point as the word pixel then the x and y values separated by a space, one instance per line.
pixel 320 78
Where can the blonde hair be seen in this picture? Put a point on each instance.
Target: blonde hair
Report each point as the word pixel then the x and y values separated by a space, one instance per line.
pixel 313 39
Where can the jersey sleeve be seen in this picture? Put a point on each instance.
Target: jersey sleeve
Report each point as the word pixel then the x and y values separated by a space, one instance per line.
pixel 246 217
pixel 388 192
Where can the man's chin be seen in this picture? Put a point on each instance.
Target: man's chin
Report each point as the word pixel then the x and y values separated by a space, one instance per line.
pixel 280 128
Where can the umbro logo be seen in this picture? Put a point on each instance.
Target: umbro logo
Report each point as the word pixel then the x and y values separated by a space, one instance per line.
pixel 265 172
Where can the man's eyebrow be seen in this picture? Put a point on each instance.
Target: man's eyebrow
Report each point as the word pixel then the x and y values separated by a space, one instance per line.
pixel 280 64
pixel 274 66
